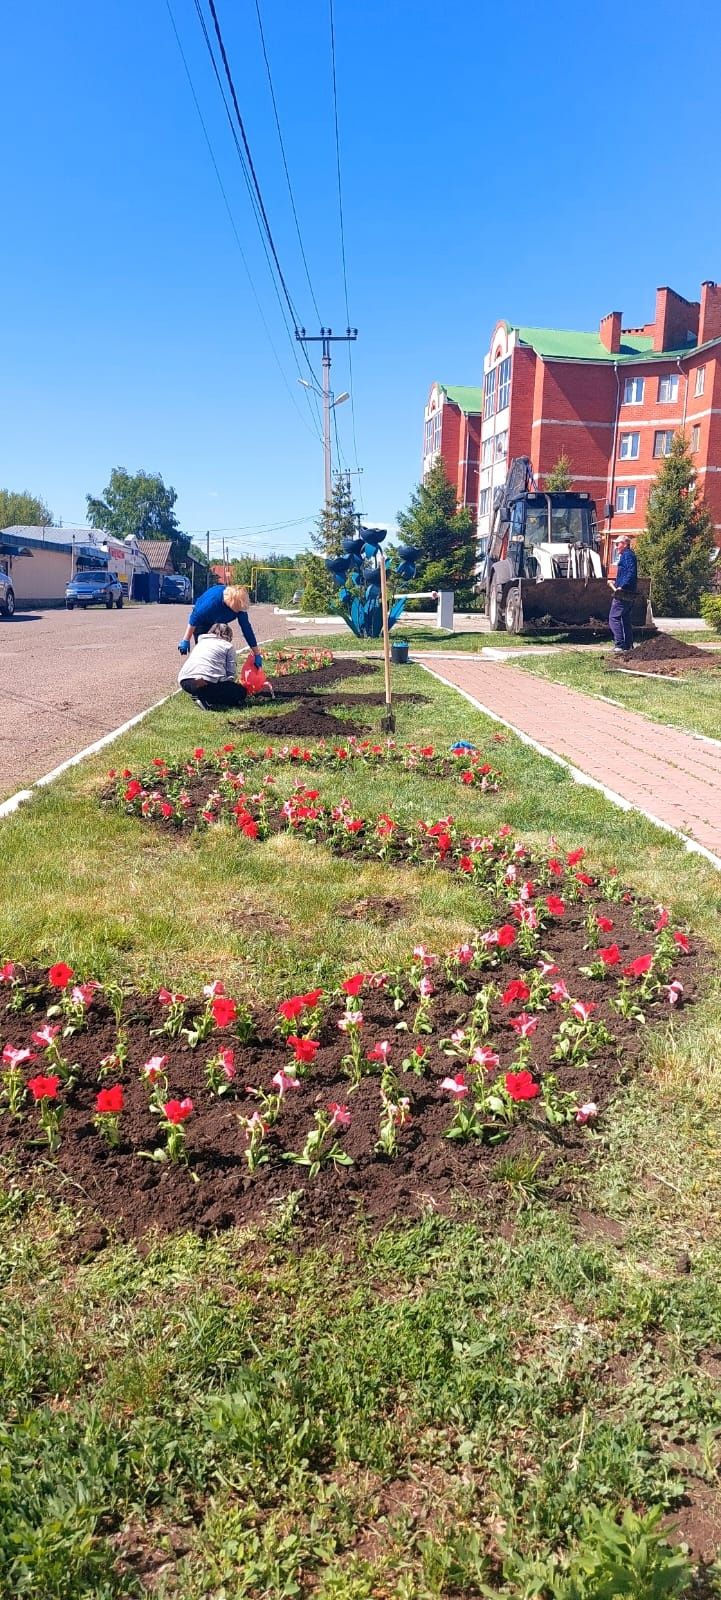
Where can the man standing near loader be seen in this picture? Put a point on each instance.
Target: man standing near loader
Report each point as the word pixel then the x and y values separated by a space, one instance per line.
pixel 624 590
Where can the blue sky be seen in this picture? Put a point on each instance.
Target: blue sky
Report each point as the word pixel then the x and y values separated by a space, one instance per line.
pixel 547 163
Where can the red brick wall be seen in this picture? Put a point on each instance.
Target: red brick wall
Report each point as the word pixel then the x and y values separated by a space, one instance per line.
pixel 523 377
pixel 450 440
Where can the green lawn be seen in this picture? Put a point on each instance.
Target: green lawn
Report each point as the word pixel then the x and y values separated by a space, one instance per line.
pixel 694 704
pixel 429 638
pixel 240 1417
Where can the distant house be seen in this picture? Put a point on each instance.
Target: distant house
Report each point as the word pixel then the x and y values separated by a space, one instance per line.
pixel 158 554
pixel 42 559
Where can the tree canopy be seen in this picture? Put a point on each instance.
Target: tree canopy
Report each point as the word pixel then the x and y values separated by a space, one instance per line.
pixel 445 536
pixel 335 524
pixel 560 477
pixel 139 503
pixel 674 549
pixel 24 508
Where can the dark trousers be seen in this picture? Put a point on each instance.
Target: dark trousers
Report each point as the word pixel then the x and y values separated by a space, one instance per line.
pixel 619 621
pixel 216 696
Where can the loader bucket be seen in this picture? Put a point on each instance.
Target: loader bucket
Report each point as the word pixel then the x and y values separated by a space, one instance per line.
pixel 573 602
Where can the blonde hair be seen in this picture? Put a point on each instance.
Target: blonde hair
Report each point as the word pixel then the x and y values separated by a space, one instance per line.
pixel 222 630
pixel 236 596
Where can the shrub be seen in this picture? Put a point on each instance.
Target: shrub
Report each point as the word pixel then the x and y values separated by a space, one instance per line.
pixel 711 610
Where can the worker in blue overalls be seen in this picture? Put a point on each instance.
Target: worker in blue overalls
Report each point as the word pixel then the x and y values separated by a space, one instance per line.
pixel 624 592
pixel 220 604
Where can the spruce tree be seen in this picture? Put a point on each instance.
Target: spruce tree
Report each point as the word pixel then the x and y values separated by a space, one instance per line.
pixel 445 536
pixel 559 478
pixel 334 525
pixel 674 549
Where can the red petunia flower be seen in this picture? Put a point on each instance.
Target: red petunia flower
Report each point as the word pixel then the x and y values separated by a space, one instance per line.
pixel 683 942
pixel 304 1050
pixel 555 905
pixel 224 1010
pixel 178 1110
pixel 524 1024
pixel 583 877
pixel 610 955
pixel 605 924
pixel 556 867
pixel 110 1100
pixel 637 968
pixel 44 1087
pixel 517 990
pixel 574 856
pixel 199 753
pixel 353 986
pixel 290 1009
pixel 466 864
pixel 133 790
pixel 312 997
pixel 59 976
pixel 520 1086
pixel 506 936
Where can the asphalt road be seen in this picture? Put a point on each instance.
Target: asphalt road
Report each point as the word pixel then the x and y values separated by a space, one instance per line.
pixel 68 677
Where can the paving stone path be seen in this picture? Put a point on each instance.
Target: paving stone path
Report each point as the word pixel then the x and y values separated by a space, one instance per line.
pixel 674 777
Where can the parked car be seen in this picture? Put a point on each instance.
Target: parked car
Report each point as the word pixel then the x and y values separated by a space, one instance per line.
pixel 7 594
pixel 174 586
pixel 94 589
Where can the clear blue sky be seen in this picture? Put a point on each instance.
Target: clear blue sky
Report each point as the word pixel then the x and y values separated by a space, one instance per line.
pixel 546 163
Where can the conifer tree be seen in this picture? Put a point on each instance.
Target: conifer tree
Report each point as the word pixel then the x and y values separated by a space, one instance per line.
pixel 445 536
pixel 560 477
pixel 673 551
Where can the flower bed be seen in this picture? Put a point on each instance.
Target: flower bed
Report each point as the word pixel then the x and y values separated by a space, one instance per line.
pixel 287 663
pixel 212 787
pixel 473 1073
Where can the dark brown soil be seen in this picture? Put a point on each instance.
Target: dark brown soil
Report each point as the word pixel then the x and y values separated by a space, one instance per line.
pixel 308 718
pixel 374 908
pixel 301 683
pixel 126 1193
pixel 667 656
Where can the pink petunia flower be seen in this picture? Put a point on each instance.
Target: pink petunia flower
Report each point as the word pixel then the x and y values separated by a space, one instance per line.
pixel 456 1086
pixel 587 1112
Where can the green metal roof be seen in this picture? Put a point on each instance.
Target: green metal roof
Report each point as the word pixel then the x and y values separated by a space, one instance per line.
pixel 468 400
pixel 566 344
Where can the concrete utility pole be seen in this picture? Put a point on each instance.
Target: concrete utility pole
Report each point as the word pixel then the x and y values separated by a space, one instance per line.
pixel 326 338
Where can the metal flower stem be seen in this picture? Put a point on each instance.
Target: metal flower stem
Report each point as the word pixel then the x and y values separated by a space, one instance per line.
pixel 388 722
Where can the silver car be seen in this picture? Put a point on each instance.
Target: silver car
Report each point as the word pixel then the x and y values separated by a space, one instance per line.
pixel 7 594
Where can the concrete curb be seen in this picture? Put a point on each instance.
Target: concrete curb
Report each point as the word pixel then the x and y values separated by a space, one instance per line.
pixel 582 777
pixel 23 795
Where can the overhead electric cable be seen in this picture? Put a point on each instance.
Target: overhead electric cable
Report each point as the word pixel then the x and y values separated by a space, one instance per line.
pixel 236 235
pixel 285 163
pixel 342 234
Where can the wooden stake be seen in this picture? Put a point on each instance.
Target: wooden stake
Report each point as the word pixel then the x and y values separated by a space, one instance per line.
pixel 388 722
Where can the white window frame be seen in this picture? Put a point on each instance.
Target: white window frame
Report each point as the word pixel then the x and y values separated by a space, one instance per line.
pixel 504 383
pixel 502 445
pixel 489 394
pixel 633 441
pixel 669 382
pixel 488 449
pixel 484 502
pixel 633 391
pixel 695 438
pixel 700 381
pixel 667 435
pixel 626 498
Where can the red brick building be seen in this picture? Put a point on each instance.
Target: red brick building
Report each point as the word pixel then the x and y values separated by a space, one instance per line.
pixel 610 401
pixel 452 429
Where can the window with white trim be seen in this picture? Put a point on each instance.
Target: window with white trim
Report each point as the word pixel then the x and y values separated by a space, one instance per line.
pixel 502 445
pixel 489 394
pixel 695 438
pixel 432 435
pixel 700 380
pixel 662 441
pixel 484 503
pixel 668 389
pixel 626 498
pixel 504 383
pixel 487 451
pixel 629 446
pixel 633 391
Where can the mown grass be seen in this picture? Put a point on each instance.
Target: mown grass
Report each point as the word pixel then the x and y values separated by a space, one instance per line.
pixel 430 638
pixel 240 1417
pixel 694 703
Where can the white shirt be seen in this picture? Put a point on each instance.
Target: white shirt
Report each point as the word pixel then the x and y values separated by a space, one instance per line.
pixel 212 659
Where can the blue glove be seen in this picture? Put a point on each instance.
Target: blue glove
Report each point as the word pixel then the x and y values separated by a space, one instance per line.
pixel 184 647
pixel 258 661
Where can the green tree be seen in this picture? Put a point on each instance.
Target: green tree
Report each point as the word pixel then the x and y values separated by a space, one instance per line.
pixel 445 536
pixel 23 508
pixel 140 503
pixel 335 524
pixel 674 548
pixel 560 477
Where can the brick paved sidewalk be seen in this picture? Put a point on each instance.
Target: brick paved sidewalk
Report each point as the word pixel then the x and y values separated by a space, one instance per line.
pixel 672 776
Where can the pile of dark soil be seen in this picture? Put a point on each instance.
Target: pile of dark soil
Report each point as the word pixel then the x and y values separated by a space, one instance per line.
pixel 308 718
pixel 668 656
pixel 300 683
pixel 129 1193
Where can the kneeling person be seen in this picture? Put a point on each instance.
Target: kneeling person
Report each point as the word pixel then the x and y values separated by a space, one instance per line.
pixel 208 673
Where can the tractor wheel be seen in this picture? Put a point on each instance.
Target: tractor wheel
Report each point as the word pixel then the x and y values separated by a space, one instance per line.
pixel 514 611
pixel 495 609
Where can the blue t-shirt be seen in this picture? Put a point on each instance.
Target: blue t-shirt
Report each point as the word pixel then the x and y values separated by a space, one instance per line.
pixel 211 608
pixel 627 572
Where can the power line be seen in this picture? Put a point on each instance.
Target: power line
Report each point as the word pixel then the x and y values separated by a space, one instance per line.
pixel 342 231
pixel 231 218
pixel 285 163
pixel 253 191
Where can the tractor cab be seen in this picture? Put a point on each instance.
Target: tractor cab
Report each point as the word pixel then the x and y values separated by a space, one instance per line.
pixel 553 535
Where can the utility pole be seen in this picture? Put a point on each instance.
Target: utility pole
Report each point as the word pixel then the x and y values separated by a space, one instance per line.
pixel 326 338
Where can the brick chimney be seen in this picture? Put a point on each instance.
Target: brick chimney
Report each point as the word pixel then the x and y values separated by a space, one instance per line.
pixel 709 326
pixel 610 332
pixel 676 318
